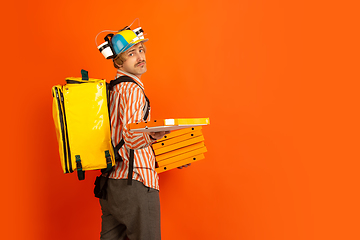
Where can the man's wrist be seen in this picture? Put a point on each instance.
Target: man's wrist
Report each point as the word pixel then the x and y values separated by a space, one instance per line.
pixel 151 137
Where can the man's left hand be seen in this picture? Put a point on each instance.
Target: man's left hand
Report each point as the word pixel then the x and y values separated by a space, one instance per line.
pixel 187 165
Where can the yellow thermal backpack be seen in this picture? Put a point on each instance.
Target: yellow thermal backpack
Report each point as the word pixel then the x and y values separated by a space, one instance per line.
pixel 82 123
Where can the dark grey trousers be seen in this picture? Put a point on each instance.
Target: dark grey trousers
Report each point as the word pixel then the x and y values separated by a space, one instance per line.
pixel 131 211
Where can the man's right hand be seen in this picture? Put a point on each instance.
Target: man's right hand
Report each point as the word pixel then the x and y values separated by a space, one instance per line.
pixel 158 135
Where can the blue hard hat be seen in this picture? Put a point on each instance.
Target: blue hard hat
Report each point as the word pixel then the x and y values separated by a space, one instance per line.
pixel 124 40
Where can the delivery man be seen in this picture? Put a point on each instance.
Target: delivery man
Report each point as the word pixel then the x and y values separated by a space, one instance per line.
pixel 131 210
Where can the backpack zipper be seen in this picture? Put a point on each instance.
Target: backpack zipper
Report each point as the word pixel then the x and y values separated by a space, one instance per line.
pixel 66 131
pixel 62 128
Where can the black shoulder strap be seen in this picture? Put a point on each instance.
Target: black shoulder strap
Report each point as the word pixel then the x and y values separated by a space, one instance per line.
pixel 122 79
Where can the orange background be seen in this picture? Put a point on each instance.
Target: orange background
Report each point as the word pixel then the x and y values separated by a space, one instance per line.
pixel 279 81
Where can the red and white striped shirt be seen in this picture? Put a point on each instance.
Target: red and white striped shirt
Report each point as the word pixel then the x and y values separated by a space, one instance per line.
pixel 128 105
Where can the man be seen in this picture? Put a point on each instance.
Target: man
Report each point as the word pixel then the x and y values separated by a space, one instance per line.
pixel 131 211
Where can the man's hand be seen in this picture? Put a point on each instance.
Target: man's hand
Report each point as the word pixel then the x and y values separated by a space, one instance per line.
pixel 187 165
pixel 158 135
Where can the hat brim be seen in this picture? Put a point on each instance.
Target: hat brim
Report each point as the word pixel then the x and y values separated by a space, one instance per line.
pixel 133 44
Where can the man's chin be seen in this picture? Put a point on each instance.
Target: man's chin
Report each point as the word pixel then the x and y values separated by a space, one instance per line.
pixel 139 72
pixel 142 70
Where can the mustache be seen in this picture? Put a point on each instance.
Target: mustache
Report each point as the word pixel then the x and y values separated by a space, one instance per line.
pixel 140 63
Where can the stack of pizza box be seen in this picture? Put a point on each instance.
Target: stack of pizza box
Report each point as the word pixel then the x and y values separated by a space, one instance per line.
pixel 179 148
pixel 184 145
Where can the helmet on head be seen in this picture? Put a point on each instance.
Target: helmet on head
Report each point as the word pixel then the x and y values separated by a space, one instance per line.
pixel 125 39
pixel 121 41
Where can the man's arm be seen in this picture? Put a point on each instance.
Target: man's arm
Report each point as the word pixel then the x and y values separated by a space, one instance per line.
pixel 133 112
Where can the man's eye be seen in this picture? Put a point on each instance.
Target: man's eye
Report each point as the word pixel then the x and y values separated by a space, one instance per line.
pixel 131 54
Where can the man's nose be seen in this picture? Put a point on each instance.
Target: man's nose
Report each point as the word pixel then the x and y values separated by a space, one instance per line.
pixel 140 57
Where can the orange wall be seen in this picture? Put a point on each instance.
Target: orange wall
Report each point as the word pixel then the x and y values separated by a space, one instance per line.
pixel 278 80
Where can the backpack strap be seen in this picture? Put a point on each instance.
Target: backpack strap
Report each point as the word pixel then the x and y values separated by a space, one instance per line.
pixel 116 150
pixel 112 84
pixel 131 167
pixel 122 79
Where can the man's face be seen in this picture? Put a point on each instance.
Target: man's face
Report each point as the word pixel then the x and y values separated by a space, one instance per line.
pixel 135 62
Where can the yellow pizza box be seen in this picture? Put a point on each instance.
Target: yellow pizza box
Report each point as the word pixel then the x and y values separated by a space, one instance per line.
pixel 179 151
pixel 179 163
pixel 179 145
pixel 167 124
pixel 178 139
pixel 179 133
pixel 182 156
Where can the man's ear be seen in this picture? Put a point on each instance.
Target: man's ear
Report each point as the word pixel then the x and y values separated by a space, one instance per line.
pixel 119 66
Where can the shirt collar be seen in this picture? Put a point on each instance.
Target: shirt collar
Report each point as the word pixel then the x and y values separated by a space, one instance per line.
pixel 120 73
